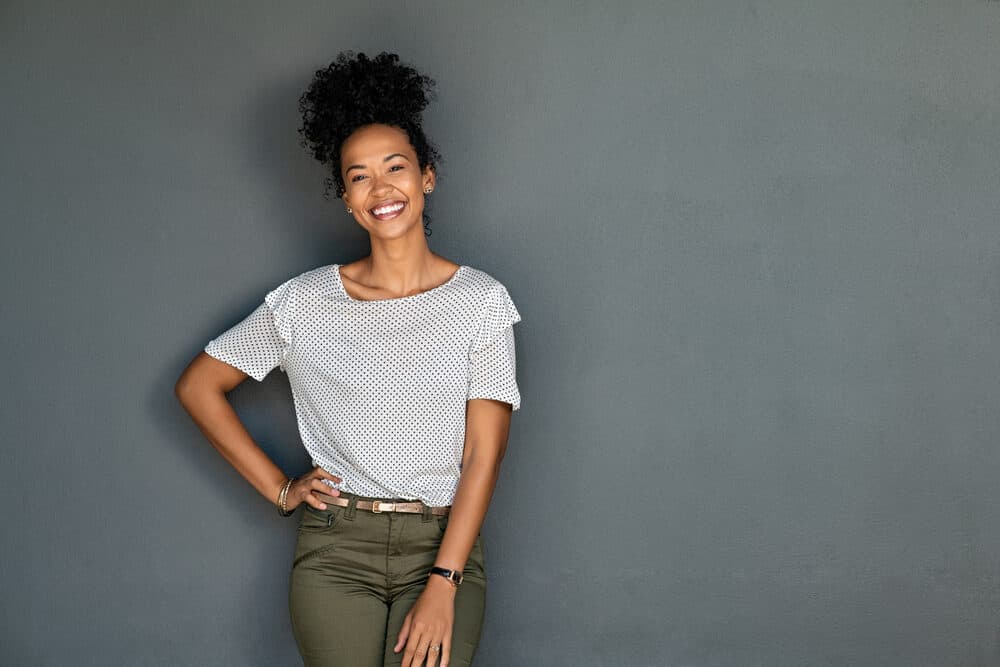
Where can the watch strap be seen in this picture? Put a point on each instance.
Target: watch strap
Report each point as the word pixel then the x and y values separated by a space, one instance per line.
pixel 454 576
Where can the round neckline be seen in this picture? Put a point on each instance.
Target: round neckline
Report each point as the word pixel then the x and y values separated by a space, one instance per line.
pixel 343 290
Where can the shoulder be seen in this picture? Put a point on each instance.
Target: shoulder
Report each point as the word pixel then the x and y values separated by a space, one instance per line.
pixel 315 282
pixel 319 279
pixel 494 301
pixel 481 281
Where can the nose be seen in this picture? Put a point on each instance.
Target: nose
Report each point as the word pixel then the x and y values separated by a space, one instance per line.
pixel 379 185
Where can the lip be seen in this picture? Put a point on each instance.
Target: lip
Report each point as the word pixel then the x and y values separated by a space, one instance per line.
pixel 391 209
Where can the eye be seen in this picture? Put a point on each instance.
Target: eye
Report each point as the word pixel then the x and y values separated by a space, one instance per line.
pixel 357 177
pixel 396 167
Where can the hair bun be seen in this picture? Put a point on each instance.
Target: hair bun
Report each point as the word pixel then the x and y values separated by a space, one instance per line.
pixel 381 88
pixel 355 90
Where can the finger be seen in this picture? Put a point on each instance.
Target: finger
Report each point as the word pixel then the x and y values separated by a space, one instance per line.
pixel 414 656
pixel 434 655
pixel 325 475
pixel 445 650
pixel 419 654
pixel 317 484
pixel 403 634
pixel 320 472
pixel 313 501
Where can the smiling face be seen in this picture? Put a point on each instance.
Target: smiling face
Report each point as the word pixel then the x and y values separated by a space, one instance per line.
pixel 383 181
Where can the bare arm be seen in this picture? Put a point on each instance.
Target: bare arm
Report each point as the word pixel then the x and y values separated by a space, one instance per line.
pixel 202 389
pixel 430 620
pixel 486 432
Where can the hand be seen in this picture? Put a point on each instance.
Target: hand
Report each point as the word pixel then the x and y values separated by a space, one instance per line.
pixel 304 488
pixel 429 623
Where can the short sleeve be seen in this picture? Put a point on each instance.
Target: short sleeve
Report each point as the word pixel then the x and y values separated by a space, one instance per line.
pixel 492 367
pixel 257 344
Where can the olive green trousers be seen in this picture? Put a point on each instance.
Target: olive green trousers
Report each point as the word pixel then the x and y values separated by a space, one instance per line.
pixel 355 576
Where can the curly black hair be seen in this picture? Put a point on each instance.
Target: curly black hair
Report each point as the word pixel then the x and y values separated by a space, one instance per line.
pixel 354 91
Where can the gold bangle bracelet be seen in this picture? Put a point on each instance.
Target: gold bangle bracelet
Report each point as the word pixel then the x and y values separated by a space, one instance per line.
pixel 283 498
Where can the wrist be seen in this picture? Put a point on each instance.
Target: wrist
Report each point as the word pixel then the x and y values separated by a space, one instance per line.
pixel 438 585
pixel 453 577
pixel 282 503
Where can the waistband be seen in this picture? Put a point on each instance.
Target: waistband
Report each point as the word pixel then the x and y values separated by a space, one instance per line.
pixel 377 506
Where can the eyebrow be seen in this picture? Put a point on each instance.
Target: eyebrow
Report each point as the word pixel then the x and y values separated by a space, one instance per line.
pixel 387 158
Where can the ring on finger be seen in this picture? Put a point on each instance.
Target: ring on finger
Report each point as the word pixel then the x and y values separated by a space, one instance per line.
pixel 434 648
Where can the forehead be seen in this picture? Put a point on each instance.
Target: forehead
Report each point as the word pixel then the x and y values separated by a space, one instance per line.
pixel 373 143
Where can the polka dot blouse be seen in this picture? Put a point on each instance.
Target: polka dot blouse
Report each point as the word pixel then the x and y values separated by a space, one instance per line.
pixel 380 386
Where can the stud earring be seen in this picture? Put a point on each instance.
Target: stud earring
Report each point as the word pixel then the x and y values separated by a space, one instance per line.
pixel 350 210
pixel 427 191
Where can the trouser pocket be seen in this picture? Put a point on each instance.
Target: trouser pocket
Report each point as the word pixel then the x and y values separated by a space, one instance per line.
pixel 316 535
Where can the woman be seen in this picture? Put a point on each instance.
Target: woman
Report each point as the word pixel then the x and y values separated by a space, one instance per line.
pixel 402 371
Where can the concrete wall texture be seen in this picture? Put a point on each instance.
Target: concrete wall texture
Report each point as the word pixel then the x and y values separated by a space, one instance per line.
pixel 756 252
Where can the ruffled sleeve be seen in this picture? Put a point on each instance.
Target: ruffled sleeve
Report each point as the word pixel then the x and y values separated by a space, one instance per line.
pixel 492 363
pixel 259 343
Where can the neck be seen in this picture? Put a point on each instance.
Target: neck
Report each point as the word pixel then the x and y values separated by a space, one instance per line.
pixel 400 270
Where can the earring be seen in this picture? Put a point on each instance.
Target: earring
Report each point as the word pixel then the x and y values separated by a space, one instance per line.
pixel 427 191
pixel 350 210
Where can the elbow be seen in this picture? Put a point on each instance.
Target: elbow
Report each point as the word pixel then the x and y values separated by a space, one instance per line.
pixel 497 461
pixel 182 389
pixel 488 458
pixel 192 381
pixel 188 385
pixel 500 453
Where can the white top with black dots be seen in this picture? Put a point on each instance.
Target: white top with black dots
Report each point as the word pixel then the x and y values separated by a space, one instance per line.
pixel 380 386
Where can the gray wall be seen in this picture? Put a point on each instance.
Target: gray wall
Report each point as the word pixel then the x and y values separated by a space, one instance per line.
pixel 755 247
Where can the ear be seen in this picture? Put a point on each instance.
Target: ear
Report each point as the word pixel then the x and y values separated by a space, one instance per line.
pixel 430 178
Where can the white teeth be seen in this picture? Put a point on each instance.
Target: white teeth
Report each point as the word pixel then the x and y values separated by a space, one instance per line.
pixel 388 208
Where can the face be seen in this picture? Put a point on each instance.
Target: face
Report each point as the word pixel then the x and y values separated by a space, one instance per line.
pixel 383 181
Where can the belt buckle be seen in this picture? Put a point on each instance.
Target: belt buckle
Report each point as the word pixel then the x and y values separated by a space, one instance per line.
pixel 376 507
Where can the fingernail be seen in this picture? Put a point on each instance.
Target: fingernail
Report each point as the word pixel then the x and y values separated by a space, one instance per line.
pixel 322 506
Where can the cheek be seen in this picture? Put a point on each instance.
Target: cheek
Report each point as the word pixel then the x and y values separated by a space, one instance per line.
pixel 353 192
pixel 351 200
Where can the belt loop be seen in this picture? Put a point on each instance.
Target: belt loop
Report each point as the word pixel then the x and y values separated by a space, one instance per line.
pixel 427 516
pixel 351 507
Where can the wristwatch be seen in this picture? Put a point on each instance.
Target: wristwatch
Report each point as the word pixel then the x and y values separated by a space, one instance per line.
pixel 454 576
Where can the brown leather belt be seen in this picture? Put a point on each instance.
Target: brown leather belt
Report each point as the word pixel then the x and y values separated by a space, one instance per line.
pixel 379 506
